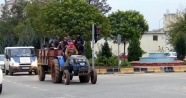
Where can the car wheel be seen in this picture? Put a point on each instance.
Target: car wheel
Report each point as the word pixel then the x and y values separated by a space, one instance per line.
pixel 1 87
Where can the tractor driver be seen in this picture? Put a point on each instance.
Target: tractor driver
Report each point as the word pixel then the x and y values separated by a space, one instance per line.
pixel 70 50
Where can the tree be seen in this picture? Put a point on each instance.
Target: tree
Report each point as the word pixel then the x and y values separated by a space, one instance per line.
pixel 88 50
pixel 127 24
pixel 34 15
pixel 180 47
pixel 15 28
pixel 177 28
pixel 100 4
pixel 134 49
pixel 71 17
pixel 176 32
pixel 106 50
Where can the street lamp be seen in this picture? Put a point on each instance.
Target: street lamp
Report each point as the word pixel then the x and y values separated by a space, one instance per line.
pixel 159 22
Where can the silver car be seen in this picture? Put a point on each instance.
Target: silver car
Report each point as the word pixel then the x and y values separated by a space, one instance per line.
pixel 2 61
pixel 1 81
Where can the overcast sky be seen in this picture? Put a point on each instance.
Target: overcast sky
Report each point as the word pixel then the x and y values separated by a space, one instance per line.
pixel 152 10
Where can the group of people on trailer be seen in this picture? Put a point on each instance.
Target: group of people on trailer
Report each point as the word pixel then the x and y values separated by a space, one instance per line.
pixel 68 46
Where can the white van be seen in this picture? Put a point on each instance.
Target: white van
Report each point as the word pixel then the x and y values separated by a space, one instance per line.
pixel 20 59
pixel 2 61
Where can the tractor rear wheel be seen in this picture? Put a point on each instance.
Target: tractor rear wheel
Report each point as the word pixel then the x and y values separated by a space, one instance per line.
pixel 93 76
pixel 55 72
pixel 41 73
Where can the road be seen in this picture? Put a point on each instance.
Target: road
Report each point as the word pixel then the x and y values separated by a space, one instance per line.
pixel 151 85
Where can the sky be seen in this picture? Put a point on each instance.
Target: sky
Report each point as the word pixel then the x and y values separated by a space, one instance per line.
pixel 153 10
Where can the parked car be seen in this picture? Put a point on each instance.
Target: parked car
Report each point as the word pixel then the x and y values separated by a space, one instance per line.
pixel 2 61
pixel 1 81
pixel 171 54
pixel 122 56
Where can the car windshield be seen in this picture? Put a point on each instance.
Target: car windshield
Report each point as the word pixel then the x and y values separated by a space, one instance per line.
pixel 22 52
pixel 2 58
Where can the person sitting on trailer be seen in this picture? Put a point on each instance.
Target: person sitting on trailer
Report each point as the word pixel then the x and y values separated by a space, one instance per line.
pixel 79 47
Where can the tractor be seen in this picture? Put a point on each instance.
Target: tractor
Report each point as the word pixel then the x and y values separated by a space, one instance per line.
pixel 51 61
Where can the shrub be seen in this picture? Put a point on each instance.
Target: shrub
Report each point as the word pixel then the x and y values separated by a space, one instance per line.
pixel 125 63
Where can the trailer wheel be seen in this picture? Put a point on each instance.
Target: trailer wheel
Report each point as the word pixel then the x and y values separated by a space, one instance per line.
pixel 55 72
pixel 10 71
pixel 93 76
pixel 41 73
pixel 71 77
pixel 36 71
pixel 84 79
pixel 30 72
pixel 6 71
pixel 66 76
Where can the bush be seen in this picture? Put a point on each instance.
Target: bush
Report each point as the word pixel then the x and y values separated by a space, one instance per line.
pixel 88 50
pixel 125 63
pixel 180 47
pixel 184 62
pixel 102 61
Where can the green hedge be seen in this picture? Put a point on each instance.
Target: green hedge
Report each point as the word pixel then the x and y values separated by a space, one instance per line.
pixel 103 61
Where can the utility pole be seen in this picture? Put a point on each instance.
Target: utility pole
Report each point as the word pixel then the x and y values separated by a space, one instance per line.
pixel 93 45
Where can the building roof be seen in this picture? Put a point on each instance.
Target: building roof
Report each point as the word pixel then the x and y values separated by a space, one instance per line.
pixel 154 32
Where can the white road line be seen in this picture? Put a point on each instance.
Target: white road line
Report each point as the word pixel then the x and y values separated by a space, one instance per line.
pixel 43 89
pixel 26 85
pixel 35 87
pixel 69 95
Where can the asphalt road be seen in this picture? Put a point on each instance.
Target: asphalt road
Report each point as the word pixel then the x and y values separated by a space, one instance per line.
pixel 152 85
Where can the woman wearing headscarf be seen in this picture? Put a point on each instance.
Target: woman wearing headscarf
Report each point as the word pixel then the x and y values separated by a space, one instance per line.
pixel 70 50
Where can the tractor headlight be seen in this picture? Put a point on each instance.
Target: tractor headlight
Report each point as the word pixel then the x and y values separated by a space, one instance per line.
pixel 34 63
pixel 71 61
pixel 84 60
pixel 79 60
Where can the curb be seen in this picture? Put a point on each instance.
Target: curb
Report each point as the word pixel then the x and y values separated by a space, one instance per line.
pixel 141 70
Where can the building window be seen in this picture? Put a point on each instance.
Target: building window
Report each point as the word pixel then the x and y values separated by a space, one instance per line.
pixel 155 38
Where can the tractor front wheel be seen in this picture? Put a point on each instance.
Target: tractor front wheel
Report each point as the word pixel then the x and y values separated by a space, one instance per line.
pixel 66 76
pixel 93 76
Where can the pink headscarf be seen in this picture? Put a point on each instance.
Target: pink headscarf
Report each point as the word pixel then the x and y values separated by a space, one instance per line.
pixel 71 45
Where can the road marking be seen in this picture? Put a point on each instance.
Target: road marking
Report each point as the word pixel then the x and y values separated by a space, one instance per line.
pixel 69 95
pixel 35 87
pixel 26 85
pixel 43 89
